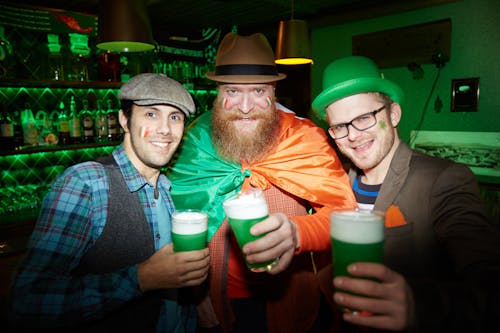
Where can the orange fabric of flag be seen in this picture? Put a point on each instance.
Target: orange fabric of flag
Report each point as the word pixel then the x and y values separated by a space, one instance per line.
pixel 305 165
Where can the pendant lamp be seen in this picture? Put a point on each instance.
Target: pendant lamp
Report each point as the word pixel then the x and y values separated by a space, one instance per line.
pixel 124 26
pixel 293 46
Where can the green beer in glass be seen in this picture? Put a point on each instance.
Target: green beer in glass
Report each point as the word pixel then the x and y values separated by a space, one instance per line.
pixel 357 236
pixel 189 230
pixel 243 211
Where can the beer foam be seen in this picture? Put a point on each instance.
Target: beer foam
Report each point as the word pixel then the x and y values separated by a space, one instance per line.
pixel 246 207
pixel 357 227
pixel 187 223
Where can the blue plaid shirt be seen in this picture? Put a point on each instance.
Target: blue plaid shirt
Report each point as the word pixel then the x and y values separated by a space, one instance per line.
pixel 72 217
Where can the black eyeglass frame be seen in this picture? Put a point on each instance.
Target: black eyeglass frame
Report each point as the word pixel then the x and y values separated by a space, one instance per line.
pixel 373 113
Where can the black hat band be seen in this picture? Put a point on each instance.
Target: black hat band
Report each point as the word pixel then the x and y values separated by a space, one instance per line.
pixel 246 70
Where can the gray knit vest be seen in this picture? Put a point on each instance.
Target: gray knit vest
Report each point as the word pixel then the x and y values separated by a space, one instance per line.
pixel 126 240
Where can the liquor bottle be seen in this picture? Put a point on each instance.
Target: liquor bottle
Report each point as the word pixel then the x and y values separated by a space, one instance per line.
pixel 47 133
pixel 101 123
pixel 75 125
pixel 80 55
pixel 87 123
pixel 125 71
pixel 64 138
pixel 7 60
pixel 56 65
pixel 113 126
pixel 18 130
pixel 30 129
pixel 6 130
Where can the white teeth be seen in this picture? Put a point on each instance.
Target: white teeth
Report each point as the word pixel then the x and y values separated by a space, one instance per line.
pixel 160 144
pixel 361 146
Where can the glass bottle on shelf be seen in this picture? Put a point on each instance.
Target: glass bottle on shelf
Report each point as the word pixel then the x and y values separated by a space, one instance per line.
pixel 67 58
pixel 125 70
pixel 6 55
pixel 56 63
pixel 75 125
pixel 6 130
pixel 30 129
pixel 87 122
pixel 18 130
pixel 187 75
pixel 113 126
pixel 80 56
pixel 47 135
pixel 64 138
pixel 53 119
pixel 109 66
pixel 101 123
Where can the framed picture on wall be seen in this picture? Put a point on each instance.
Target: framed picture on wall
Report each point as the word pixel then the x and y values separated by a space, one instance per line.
pixel 478 150
pixel 464 95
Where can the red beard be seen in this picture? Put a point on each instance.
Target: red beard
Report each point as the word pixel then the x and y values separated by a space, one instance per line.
pixel 235 146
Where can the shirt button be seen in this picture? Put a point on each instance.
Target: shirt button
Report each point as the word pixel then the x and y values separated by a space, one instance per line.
pixel 153 204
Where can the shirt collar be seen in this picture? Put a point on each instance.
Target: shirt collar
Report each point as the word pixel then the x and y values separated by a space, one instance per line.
pixel 134 180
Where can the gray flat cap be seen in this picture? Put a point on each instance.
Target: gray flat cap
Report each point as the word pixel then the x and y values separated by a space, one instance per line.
pixel 150 89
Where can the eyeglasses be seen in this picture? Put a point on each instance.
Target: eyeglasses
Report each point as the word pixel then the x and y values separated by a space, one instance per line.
pixel 361 123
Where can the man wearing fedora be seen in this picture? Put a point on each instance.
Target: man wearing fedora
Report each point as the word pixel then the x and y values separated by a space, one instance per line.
pixel 442 255
pixel 249 140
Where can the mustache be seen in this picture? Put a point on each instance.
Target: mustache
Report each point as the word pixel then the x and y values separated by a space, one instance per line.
pixel 236 115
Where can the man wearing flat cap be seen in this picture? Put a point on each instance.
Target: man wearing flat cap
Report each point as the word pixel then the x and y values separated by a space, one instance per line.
pixel 250 141
pixel 100 258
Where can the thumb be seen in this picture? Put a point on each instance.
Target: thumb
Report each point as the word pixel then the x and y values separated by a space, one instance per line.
pixel 168 248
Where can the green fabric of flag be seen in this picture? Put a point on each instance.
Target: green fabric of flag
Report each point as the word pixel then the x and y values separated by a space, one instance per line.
pixel 200 180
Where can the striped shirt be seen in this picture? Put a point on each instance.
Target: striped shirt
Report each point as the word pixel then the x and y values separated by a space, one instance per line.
pixel 365 194
pixel 72 218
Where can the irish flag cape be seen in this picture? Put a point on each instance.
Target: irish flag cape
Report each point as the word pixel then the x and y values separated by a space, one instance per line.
pixel 303 164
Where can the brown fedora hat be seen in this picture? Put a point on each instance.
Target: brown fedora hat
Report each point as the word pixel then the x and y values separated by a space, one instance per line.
pixel 245 59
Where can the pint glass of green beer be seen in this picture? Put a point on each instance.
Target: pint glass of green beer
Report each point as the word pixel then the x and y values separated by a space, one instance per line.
pixel 243 211
pixel 189 230
pixel 356 235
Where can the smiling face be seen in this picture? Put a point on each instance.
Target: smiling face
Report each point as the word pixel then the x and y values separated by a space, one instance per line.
pixel 245 121
pixel 153 135
pixel 370 150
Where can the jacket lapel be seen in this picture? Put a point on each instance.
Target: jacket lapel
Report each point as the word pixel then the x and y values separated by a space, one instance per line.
pixel 395 178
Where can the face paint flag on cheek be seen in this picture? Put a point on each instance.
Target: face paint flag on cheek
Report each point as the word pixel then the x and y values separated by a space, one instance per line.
pixel 268 101
pixel 144 131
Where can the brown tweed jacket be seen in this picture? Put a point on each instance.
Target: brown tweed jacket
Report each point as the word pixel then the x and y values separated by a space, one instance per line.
pixel 448 250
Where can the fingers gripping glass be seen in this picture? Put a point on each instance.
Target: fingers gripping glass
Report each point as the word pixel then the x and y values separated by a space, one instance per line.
pixel 361 123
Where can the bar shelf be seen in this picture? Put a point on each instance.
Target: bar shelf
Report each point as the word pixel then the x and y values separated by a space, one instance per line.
pixel 59 84
pixel 51 148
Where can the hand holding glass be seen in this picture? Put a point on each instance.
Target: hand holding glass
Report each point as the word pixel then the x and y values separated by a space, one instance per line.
pixel 189 230
pixel 243 211
pixel 357 236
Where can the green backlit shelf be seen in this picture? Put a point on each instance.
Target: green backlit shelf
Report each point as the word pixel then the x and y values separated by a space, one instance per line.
pixel 54 148
pixel 26 175
pixel 15 95
pixel 41 165
pixel 59 84
pixel 27 172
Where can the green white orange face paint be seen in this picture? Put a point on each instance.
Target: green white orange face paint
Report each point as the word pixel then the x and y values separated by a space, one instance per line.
pixel 233 102
pixel 382 124
pixel 145 131
pixel 268 101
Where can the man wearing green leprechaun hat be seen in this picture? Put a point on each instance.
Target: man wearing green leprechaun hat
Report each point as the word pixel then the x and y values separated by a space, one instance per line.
pixel 442 255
